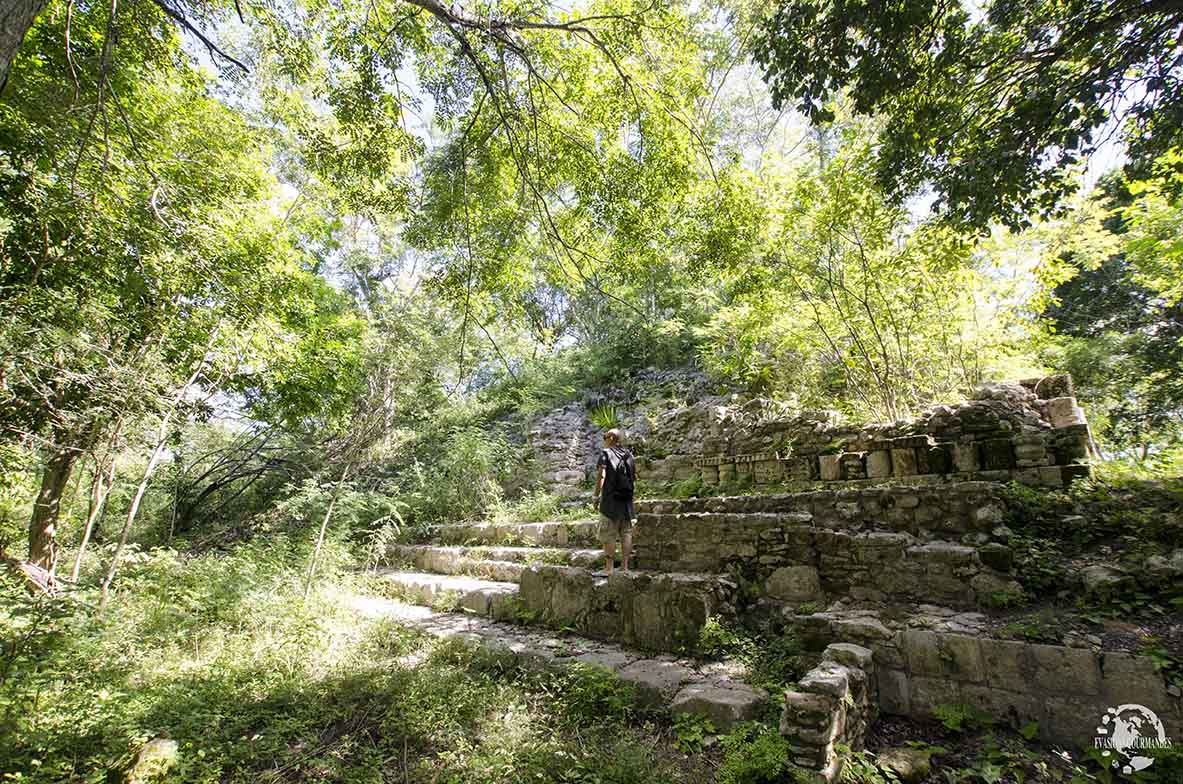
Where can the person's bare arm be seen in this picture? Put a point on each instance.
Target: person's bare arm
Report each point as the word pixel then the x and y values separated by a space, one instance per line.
pixel 599 482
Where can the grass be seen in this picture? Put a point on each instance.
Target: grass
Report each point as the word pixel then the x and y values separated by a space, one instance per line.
pixel 221 654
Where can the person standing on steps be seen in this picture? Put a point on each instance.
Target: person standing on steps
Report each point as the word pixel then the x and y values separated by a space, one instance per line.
pixel 615 484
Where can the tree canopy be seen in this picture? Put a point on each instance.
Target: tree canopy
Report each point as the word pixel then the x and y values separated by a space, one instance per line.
pixel 994 109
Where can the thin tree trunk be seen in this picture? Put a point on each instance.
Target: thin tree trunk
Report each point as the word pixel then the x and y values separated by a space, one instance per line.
pixel 104 480
pixel 43 522
pixel 149 470
pixel 324 526
pixel 16 17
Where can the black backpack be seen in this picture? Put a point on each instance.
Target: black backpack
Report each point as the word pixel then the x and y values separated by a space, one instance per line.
pixel 620 479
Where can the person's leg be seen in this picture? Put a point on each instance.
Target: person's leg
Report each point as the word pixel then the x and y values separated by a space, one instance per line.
pixel 608 540
pixel 626 548
pixel 609 554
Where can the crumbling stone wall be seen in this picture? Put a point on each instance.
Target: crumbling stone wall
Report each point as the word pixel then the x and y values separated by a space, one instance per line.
pixel 940 544
pixel 1066 689
pixel 833 705
pixel 1029 431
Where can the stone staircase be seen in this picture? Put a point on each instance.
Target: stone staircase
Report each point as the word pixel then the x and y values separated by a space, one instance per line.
pixel 895 582
pixel 514 584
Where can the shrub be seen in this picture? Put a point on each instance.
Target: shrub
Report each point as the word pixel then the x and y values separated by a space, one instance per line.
pixel 753 754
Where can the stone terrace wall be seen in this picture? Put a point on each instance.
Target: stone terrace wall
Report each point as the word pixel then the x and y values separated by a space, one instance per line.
pixel 933 544
pixel 1067 690
pixel 1028 431
pixel 833 704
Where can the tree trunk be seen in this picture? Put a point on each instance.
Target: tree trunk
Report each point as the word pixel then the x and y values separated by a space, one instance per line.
pixel 149 470
pixel 324 526
pixel 104 479
pixel 16 17
pixel 43 524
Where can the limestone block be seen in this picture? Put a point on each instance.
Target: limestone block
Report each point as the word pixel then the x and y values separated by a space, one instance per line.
pixel 949 656
pixel 987 586
pixel 894 692
pixel 1010 707
pixel 965 457
pixel 1129 678
pixel 727 472
pixel 866 629
pixel 830 467
pixel 879 464
pixel 155 759
pixel 1102 580
pixel 710 474
pixel 997 454
pixel 725 707
pixel 808 709
pixel 1060 670
pixel 936 459
pixel 794 584
pixel 926 694
pixel 943 553
pixel 613 661
pixel 908 764
pixel 1063 412
pixel 850 655
pixel 903 462
pixel 996 556
pixel 832 680
pixel 656 681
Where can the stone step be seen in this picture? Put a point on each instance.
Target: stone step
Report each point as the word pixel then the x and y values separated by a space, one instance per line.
pixel 952 508
pixel 492 598
pixel 492 563
pixel 661 611
pixel 547 534
pixel 714 690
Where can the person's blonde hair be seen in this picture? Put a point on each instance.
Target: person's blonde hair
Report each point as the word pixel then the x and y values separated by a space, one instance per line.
pixel 615 436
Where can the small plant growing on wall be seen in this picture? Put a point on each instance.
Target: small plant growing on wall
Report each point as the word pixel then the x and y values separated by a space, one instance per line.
pixel 605 416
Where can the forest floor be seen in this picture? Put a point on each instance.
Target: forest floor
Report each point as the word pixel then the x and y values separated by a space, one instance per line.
pixel 222 653
pixel 257 685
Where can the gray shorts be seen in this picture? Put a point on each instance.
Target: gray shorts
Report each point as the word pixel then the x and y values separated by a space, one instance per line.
pixel 611 530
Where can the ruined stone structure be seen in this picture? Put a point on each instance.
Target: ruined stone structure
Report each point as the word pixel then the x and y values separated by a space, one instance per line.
pixel 883 547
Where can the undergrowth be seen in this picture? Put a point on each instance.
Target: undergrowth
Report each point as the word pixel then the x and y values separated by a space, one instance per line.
pixel 221 653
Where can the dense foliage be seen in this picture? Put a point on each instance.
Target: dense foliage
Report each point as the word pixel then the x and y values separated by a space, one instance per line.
pixel 282 282
pixel 993 105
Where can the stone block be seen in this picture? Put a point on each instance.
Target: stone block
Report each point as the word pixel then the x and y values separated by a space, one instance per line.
pixel 949 656
pixel 965 457
pixel 1005 707
pixel 794 584
pixel 613 661
pixel 853 466
pixel 1064 412
pixel 879 464
pixel 903 462
pixel 656 681
pixel 725 707
pixel 927 694
pixel 850 655
pixel 830 467
pixel 832 680
pixel 1128 678
pixel 936 459
pixel 996 556
pixel 894 692
pixel 1060 670
pixel 996 454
